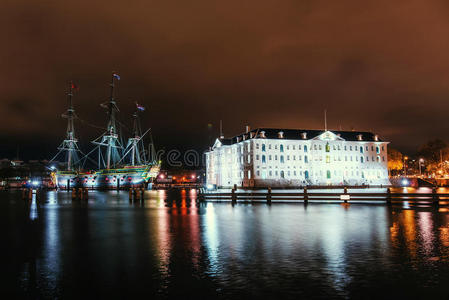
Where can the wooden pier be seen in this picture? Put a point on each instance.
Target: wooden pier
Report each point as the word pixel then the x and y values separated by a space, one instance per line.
pixel 306 196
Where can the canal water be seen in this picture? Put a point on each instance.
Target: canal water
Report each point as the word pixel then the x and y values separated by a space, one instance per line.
pixel 170 246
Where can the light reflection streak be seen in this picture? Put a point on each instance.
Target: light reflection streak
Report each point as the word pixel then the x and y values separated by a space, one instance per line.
pixel 426 231
pixel 211 238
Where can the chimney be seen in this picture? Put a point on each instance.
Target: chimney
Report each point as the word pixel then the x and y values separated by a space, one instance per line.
pixel 304 135
pixel 359 137
pixel 376 137
pixel 262 134
pixel 281 134
pixel 247 128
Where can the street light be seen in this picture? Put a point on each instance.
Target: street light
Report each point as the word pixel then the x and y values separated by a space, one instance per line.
pixel 405 168
pixel 420 161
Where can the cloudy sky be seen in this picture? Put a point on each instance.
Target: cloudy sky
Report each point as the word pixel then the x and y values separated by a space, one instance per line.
pixel 374 65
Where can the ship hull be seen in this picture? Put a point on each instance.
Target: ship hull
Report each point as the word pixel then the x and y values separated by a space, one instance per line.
pixel 126 177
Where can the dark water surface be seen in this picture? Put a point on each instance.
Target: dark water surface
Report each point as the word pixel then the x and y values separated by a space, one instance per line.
pixel 171 246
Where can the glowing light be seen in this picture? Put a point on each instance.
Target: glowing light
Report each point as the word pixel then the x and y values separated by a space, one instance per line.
pixel 161 176
pixel 193 176
pixel 35 183
pixel 52 167
pixel 210 187
pixel 404 182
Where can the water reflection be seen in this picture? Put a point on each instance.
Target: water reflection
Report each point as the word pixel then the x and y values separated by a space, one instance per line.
pixel 170 245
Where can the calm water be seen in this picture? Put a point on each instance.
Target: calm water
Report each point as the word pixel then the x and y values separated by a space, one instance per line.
pixel 169 246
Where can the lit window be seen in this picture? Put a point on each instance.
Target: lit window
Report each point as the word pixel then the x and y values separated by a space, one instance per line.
pixel 328 159
pixel 328 147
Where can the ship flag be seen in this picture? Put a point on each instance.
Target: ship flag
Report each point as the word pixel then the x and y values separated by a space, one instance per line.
pixel 117 76
pixel 140 107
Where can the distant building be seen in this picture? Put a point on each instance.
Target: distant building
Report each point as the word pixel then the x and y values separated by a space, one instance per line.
pixel 293 157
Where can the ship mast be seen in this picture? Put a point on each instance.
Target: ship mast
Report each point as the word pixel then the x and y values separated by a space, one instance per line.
pixel 112 129
pixel 70 143
pixel 135 140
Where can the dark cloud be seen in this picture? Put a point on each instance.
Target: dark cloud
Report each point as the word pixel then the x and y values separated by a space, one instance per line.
pixel 375 65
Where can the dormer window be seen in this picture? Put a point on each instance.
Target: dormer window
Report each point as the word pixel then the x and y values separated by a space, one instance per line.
pixel 359 137
pixel 244 137
pixel 281 134
pixel 238 139
pixel 251 134
pixel 304 135
pixel 376 137
pixel 262 134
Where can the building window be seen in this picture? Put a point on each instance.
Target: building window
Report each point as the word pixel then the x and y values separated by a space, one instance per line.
pixel 350 148
pixel 281 158
pixel 383 158
pixel 281 148
pixel 258 173
pixel 271 173
pixel 378 159
pixel 305 149
pixel 263 148
pixel 269 157
pixel 319 146
pixel 366 148
pixel 287 147
pixel 276 173
pixel 288 157
pixel 269 146
pixel 288 173
pixel 383 148
pixel 282 174
pixel 299 147
pixel 345 148
pixel 372 148
pixel 361 149
pixel 361 159
pixel 328 159
pixel 306 160
pixel 306 174
pixel 264 159
pixel 328 147
pixel 264 174
pixel 257 146
pixel 293 147
pixel 377 149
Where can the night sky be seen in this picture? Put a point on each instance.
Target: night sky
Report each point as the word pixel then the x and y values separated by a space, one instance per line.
pixel 374 65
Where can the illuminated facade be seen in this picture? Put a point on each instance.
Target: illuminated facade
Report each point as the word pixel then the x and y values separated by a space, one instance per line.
pixel 288 157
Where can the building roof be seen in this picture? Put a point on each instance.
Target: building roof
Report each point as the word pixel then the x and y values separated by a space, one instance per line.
pixel 297 134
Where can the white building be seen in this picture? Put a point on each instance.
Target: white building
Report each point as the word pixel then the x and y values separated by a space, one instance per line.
pixel 267 157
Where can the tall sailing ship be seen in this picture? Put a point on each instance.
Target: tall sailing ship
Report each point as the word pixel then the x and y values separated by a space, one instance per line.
pixel 117 166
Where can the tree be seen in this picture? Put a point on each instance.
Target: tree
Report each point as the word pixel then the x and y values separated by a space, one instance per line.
pixel 434 152
pixel 395 161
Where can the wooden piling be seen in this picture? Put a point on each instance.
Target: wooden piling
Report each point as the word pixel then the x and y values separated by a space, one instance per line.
pixel 269 196
pixel 306 196
pixel 73 193
pixel 345 191
pixel 130 193
pixel 388 197
pixel 435 198
pixel 233 196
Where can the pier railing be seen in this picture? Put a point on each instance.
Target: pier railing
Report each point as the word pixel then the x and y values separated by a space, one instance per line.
pixel 306 196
